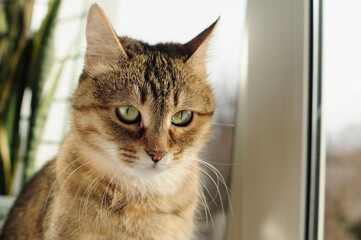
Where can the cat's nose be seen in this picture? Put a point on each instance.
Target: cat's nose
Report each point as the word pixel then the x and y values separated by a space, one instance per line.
pixel 156 155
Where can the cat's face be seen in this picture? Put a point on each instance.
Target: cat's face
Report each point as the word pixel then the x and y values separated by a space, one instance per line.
pixel 147 109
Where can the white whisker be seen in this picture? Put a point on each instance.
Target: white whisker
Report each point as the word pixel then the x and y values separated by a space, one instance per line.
pixel 105 191
pixel 52 186
pixel 223 124
pixel 80 185
pixel 87 176
pixel 207 211
pixel 85 194
pixel 220 177
pixel 87 200
pixel 217 187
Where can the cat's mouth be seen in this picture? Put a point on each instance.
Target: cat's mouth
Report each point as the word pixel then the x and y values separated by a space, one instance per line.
pixel 145 166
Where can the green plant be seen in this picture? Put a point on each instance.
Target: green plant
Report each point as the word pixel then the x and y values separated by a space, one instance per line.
pixel 25 61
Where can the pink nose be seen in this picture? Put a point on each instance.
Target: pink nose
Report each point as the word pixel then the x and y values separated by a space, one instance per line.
pixel 156 155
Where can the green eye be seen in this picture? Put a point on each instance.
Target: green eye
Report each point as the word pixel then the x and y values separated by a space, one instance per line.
pixel 182 118
pixel 128 114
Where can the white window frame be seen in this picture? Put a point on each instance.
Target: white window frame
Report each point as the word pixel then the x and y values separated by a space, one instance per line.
pixel 276 187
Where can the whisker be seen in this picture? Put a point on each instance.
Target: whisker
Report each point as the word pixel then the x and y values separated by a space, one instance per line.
pixel 81 200
pixel 207 211
pixel 213 198
pixel 212 162
pixel 63 185
pixel 216 171
pixel 101 204
pixel 52 186
pixel 87 200
pixel 223 124
pixel 222 164
pixel 206 208
pixel 218 174
pixel 85 192
pixel 81 184
pixel 217 188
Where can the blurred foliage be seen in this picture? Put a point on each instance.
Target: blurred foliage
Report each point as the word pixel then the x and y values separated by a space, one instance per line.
pixel 26 58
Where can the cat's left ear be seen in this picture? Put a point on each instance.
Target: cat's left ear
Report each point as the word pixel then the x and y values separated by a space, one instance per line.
pixel 197 48
pixel 102 41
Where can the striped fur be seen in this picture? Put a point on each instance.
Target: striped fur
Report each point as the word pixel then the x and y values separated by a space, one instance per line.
pixel 103 184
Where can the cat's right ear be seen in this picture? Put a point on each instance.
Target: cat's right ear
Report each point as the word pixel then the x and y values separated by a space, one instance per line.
pixel 102 41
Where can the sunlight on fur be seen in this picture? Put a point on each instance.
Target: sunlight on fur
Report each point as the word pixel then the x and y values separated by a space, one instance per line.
pixel 129 166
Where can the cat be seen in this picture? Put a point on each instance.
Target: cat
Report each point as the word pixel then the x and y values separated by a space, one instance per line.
pixel 128 166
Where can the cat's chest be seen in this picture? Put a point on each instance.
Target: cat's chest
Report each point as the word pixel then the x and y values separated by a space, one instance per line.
pixel 117 215
pixel 136 223
pixel 143 220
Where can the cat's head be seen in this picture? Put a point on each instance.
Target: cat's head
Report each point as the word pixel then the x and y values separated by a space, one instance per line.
pixel 139 108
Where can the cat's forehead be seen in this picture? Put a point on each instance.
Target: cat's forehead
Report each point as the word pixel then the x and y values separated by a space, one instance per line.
pixel 152 78
pixel 156 75
pixel 156 81
pixel 157 67
pixel 153 75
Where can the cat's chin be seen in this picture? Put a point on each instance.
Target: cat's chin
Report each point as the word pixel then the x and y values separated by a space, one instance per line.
pixel 152 171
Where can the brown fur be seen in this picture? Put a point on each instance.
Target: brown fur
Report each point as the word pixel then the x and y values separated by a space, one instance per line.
pixel 103 185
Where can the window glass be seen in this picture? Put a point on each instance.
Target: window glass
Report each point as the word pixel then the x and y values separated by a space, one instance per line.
pixel 342 118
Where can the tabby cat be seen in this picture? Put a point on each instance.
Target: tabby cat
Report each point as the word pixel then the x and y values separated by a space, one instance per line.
pixel 127 168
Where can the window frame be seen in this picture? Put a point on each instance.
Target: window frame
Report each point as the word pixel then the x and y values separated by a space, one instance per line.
pixel 277 176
